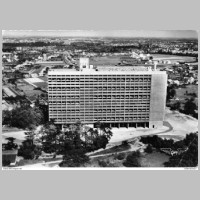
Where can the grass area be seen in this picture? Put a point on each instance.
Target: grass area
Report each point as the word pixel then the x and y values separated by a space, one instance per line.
pixel 181 92
pixel 107 60
pixel 29 91
pixel 174 57
pixel 106 161
pixel 155 159
pixel 114 149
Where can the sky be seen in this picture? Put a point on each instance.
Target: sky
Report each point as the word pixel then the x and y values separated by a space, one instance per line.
pixel 103 33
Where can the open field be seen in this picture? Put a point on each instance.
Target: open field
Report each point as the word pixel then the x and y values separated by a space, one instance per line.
pixel 107 60
pixel 114 60
pixel 181 92
pixel 29 90
pixel 173 58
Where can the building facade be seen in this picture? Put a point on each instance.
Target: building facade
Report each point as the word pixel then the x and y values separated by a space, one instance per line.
pixel 119 97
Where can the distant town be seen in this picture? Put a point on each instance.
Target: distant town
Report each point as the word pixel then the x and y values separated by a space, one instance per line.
pixel 42 129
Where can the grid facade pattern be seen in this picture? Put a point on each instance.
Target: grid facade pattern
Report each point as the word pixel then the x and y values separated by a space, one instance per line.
pixel 120 98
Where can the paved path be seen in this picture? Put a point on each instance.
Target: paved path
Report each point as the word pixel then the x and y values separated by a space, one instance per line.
pixel 41 165
pixel 133 147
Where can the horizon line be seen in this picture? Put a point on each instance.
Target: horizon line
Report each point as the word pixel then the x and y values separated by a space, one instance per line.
pixel 181 34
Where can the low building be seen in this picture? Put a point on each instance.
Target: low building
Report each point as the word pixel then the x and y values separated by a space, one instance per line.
pixel 39 72
pixel 9 157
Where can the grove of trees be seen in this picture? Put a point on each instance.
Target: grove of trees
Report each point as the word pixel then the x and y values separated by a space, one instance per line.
pixel 188 158
pixel 72 143
pixel 23 117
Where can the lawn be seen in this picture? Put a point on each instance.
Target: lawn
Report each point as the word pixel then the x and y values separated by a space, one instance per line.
pixel 155 159
pixel 181 92
pixel 107 160
pixel 29 91
pixel 107 60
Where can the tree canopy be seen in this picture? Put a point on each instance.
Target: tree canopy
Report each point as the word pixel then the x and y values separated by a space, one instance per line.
pixel 23 117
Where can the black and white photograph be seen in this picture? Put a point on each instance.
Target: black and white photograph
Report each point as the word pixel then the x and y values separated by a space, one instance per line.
pixel 99 99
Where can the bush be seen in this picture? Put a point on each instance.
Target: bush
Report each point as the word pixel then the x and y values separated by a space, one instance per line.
pixel 74 158
pixel 27 154
pixel 157 142
pixel 23 117
pixel 125 143
pixel 28 150
pixel 149 149
pixel 102 163
pixel 120 156
pixel 132 160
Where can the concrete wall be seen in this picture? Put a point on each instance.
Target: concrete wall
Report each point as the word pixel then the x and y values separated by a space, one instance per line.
pixel 157 100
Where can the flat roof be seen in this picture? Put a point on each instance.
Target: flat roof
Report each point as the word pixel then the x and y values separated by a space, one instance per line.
pixel 103 71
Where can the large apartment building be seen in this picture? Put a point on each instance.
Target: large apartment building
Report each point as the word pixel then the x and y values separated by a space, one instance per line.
pixel 119 96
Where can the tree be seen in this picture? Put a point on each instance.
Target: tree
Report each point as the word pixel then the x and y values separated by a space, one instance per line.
pixel 132 160
pixel 23 117
pixel 149 149
pixel 6 115
pixel 53 139
pixel 74 158
pixel 171 92
pixel 190 107
pixel 29 150
pixel 176 106
pixel 189 158
pixel 11 145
